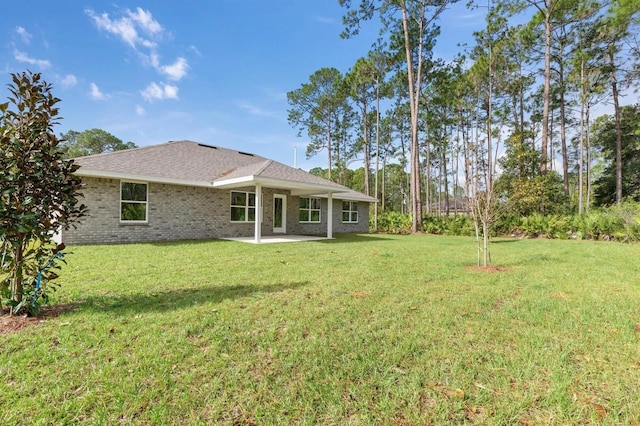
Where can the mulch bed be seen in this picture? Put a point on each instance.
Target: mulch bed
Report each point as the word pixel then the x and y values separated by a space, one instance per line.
pixel 11 324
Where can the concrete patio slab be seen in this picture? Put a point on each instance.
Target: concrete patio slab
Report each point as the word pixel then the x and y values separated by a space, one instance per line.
pixel 278 239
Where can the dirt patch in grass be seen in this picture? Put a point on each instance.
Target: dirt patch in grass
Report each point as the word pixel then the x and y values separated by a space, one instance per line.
pixel 489 268
pixel 11 324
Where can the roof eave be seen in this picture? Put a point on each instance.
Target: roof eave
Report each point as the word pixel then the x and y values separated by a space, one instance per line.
pixel 85 172
pixel 296 187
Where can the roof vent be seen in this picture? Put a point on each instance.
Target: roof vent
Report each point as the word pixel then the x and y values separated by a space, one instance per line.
pixel 245 153
pixel 207 146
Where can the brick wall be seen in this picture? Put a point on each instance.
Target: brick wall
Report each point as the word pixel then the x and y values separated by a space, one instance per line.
pixel 293 206
pixel 184 213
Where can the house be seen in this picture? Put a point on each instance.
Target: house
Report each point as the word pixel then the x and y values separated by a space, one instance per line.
pixel 188 190
pixel 455 206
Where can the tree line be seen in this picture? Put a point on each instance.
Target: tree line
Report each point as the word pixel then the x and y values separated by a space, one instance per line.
pixel 91 142
pixel 508 123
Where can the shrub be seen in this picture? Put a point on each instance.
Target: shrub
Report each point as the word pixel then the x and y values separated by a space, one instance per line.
pixel 459 225
pixel 394 223
pixel 433 225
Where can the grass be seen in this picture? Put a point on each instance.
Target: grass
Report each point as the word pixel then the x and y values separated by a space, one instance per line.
pixel 365 329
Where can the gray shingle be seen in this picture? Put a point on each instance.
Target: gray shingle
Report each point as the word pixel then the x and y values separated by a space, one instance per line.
pixel 194 162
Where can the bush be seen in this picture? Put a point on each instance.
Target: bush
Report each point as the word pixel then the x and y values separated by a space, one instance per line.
pixel 510 225
pixel 597 225
pixel 550 226
pixel 393 223
pixel 459 225
pixel 628 214
pixel 620 223
pixel 433 225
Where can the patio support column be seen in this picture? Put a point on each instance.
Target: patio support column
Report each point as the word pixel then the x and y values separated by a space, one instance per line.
pixel 258 228
pixel 330 215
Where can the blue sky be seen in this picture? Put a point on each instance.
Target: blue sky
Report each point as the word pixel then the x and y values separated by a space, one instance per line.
pixel 216 72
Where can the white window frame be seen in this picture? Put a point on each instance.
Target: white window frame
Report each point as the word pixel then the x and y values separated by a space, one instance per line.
pixel 246 207
pixel 146 203
pixel 309 210
pixel 353 208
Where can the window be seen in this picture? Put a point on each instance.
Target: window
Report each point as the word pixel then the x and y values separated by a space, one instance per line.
pixel 133 202
pixel 310 210
pixel 243 206
pixel 350 211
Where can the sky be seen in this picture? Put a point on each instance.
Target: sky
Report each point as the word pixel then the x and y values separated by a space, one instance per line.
pixel 211 71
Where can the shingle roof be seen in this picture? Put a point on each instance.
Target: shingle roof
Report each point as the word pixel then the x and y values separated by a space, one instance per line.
pixel 194 163
pixel 182 160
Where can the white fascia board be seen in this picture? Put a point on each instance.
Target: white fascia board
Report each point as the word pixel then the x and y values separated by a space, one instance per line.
pixel 235 182
pixel 345 197
pixel 142 178
pixel 307 193
pixel 296 188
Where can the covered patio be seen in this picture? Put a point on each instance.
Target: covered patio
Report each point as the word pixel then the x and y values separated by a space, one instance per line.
pixel 270 174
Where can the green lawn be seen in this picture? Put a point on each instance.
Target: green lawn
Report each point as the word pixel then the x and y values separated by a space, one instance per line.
pixel 364 329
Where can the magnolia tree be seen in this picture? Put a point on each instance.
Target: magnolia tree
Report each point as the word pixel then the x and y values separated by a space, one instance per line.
pixel 38 193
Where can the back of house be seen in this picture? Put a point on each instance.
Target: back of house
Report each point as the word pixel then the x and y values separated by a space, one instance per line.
pixel 186 190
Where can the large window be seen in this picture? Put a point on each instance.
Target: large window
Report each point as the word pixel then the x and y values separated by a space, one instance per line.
pixel 133 202
pixel 350 211
pixel 243 206
pixel 310 210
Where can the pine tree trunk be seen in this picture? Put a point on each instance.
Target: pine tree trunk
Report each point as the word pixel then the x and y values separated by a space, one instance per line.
pixel 547 92
pixel 616 106
pixel 414 96
pixel 563 134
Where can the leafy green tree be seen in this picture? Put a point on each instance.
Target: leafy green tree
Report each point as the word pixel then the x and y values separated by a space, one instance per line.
pixel 38 192
pixel 395 180
pixel 589 77
pixel 361 83
pixel 410 24
pixel 91 142
pixel 618 29
pixel 605 138
pixel 320 109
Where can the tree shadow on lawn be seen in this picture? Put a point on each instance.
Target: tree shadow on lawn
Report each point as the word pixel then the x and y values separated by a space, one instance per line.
pixel 159 301
pixel 505 240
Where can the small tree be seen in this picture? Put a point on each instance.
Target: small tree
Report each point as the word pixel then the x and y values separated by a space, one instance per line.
pixel 38 193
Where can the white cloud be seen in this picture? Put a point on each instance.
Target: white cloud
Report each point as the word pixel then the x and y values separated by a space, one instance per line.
pixel 140 111
pixel 24 35
pixel 194 50
pixel 24 58
pixel 96 94
pixel 142 33
pixel 155 91
pixel 177 70
pixel 254 110
pixel 154 60
pixel 145 20
pixel 127 27
pixel 68 80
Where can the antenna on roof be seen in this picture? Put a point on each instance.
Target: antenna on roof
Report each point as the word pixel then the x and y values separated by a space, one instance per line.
pixel 295 157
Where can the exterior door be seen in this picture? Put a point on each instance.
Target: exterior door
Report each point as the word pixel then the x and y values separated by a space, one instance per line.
pixel 279 214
